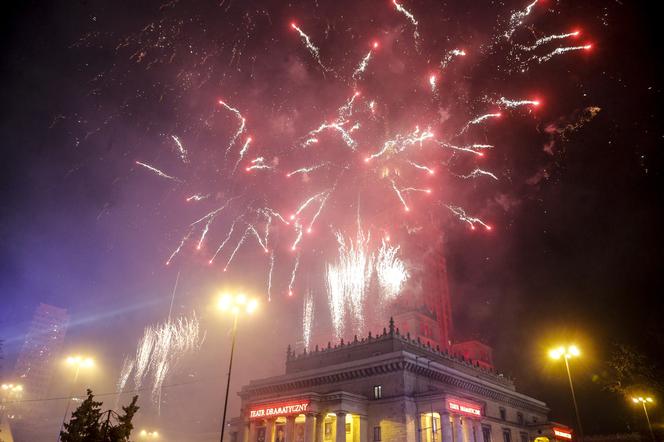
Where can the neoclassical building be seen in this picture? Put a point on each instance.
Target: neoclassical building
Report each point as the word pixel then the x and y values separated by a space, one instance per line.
pixel 389 387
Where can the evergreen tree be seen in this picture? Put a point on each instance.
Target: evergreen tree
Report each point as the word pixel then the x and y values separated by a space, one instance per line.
pixel 88 424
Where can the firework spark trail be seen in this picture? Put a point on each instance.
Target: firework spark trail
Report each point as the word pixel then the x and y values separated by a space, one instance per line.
pixel 197 197
pixel 269 277
pixel 507 103
pixel 348 280
pixel 544 40
pixel 415 189
pixel 479 120
pixel 125 372
pixel 399 143
pixel 308 201
pixel 237 247
pixel 143 353
pixel 263 243
pixel 159 350
pixel 517 18
pixel 338 126
pixel 318 212
pixel 347 108
pixel 411 18
pixel 307 169
pixel 451 55
pixel 243 151
pixel 223 243
pixel 181 150
pixel 432 82
pixel 158 172
pixel 429 170
pixel 477 173
pixel 475 149
pixel 307 319
pixel 400 196
pixel 391 271
pixel 315 52
pixel 559 51
pixel 241 128
pixel 258 164
pixel 179 247
pixel 298 235
pixel 357 74
pixel 471 220
pixel 291 284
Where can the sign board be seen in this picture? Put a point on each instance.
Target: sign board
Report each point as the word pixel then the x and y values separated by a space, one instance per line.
pixel 279 409
pixel 563 433
pixel 464 408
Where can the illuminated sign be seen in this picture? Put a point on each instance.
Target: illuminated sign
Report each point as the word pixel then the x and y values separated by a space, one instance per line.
pixel 464 408
pixel 563 432
pixel 282 409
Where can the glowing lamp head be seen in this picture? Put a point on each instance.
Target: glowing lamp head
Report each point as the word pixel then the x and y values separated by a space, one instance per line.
pixel 565 352
pixel 237 304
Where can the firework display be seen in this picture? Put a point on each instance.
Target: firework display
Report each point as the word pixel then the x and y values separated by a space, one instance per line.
pixel 339 156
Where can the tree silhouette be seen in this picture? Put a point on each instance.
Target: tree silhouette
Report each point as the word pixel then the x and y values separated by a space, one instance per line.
pixel 89 424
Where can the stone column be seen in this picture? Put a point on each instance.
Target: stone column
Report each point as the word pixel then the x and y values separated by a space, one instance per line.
pixel 269 430
pixel 446 427
pixel 341 426
pixel 290 429
pixel 320 427
pixel 309 427
pixel 477 426
pixel 363 428
pixel 252 431
pixel 458 423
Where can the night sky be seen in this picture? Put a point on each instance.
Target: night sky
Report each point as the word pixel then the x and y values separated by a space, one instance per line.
pixel 575 247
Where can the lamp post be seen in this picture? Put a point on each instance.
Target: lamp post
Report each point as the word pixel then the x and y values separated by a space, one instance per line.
pixel 76 362
pixel 235 305
pixel 567 353
pixel 643 401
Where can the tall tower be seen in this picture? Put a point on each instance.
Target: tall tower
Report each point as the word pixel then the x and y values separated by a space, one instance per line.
pixel 41 349
pixel 424 309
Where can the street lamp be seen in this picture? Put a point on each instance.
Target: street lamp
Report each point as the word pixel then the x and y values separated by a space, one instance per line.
pixel 643 401
pixel 567 353
pixel 235 305
pixel 76 362
pixel 146 434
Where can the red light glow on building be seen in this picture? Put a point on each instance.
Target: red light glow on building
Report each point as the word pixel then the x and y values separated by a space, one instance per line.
pixel 279 409
pixel 464 408
pixel 562 433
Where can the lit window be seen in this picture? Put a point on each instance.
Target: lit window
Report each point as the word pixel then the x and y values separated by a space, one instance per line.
pixel 377 391
pixel 377 436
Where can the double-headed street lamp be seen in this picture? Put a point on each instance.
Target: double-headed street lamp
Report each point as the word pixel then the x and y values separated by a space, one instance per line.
pixel 644 401
pixel 571 351
pixel 235 305
pixel 77 363
pixel 149 434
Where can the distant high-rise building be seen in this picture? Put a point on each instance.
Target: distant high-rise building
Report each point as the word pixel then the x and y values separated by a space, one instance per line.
pixel 41 349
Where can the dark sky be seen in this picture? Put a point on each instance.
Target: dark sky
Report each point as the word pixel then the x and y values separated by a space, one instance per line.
pixel 576 247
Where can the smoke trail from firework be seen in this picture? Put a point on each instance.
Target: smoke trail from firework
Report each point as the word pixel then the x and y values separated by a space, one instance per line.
pixel 391 272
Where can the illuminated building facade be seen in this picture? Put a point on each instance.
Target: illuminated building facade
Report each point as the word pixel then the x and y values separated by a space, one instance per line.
pixel 389 387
